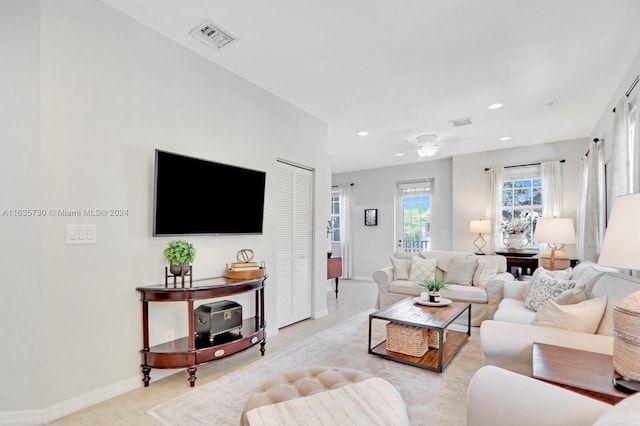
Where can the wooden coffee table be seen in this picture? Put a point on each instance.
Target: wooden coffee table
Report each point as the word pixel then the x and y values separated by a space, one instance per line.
pixel 588 373
pixel 408 312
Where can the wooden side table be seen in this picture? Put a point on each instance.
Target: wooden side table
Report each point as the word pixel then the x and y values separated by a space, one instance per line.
pixel 587 373
pixel 334 270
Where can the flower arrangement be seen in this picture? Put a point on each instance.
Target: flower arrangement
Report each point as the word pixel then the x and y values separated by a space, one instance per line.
pixel 520 225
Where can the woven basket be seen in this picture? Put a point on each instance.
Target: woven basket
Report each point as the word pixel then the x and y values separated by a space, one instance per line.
pixel 407 340
pixel 434 342
pixel 626 342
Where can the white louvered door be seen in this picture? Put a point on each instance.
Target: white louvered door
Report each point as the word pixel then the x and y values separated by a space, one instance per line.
pixel 293 243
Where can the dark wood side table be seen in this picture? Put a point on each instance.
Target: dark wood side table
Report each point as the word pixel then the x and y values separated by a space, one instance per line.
pixel 527 261
pixel 334 270
pixel 587 373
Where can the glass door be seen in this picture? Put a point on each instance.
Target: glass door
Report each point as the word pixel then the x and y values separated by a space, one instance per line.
pixel 413 216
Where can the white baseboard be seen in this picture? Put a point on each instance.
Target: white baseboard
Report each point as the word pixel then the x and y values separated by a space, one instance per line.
pixel 364 278
pixel 320 314
pixel 21 418
pixel 70 406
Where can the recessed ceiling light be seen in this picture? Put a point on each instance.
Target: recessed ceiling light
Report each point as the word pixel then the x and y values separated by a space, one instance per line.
pixel 399 154
pixel 495 106
pixel 505 138
pixel 363 133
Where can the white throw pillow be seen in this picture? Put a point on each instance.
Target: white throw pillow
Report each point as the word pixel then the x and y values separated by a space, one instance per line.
pixel 401 268
pixel 562 274
pixel 485 271
pixel 422 268
pixel 461 271
pixel 545 288
pixel 583 317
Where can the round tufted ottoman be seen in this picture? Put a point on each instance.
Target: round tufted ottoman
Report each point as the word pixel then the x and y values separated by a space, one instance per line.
pixel 299 382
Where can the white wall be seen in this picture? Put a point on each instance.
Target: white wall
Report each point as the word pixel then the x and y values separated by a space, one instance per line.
pixel 471 183
pixel 111 92
pixel 376 189
pixel 20 302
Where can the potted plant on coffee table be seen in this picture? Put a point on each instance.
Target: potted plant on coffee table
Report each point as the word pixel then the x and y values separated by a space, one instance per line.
pixel 179 254
pixel 432 287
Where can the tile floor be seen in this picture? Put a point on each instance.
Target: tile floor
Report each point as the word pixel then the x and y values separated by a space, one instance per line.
pixel 129 409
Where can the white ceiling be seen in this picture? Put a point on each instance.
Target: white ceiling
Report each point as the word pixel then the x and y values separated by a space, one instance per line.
pixel 400 69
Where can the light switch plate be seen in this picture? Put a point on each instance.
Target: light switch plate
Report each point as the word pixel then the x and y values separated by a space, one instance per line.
pixel 80 234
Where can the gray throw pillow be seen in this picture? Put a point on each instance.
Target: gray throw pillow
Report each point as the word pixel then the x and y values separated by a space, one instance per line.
pixel 461 271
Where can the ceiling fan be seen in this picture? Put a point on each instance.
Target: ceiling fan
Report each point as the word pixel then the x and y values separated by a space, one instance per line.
pixel 428 145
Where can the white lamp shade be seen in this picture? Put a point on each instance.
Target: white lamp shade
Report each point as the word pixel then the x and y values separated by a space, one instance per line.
pixel 555 230
pixel 480 226
pixel 621 246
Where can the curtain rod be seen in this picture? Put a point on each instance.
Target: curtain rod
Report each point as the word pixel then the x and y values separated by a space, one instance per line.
pixel 630 89
pixel 596 140
pixel 486 169
pixel 335 186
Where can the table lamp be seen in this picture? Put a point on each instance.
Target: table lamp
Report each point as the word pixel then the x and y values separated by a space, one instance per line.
pixel 480 227
pixel 620 250
pixel 555 231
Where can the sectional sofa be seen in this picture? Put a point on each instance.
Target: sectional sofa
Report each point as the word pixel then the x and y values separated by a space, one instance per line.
pixel 587 325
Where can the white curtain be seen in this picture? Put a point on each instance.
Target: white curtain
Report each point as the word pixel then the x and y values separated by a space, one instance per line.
pixel 551 188
pixel 621 154
pixel 589 221
pixel 495 208
pixel 634 124
pixel 344 192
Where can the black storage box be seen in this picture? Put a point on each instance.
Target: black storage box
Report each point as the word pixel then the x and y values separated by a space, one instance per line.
pixel 216 318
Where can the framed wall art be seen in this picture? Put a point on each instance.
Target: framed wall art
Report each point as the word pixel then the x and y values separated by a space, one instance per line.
pixel 371 217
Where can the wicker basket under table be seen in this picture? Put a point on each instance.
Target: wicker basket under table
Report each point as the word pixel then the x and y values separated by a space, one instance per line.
pixel 411 340
pixel 406 339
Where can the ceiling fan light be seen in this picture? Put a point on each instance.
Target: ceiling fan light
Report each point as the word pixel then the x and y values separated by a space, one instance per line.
pixel 427 151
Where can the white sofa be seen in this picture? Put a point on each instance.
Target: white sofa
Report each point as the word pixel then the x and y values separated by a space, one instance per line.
pixel 484 293
pixel 507 339
pixel 498 397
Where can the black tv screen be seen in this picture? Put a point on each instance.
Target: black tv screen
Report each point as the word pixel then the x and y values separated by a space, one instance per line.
pixel 193 196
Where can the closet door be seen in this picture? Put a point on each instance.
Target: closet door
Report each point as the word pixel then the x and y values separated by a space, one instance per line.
pixel 293 243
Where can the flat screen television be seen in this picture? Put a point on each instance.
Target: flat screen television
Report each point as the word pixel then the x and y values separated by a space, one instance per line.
pixel 193 196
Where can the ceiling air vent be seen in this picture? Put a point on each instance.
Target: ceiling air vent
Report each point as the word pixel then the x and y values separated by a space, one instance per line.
pixel 211 34
pixel 460 122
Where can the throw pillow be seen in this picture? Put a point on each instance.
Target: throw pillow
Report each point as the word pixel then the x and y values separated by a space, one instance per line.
pixel 401 268
pixel 422 268
pixel 545 288
pixel 583 317
pixel 572 296
pixel 461 271
pixel 485 270
pixel 562 274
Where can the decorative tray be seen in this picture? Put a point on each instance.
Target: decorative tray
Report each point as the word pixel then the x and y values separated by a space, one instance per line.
pixel 443 302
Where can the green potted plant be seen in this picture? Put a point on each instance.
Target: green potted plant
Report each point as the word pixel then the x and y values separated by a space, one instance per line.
pixel 179 254
pixel 432 287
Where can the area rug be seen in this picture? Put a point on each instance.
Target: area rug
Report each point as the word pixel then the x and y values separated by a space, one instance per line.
pixel 432 398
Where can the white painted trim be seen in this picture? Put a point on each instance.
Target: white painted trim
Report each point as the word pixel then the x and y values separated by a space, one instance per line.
pixel 21 418
pixel 320 314
pixel 362 278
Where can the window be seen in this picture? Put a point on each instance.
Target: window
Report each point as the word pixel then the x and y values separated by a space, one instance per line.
pixel 335 216
pixel 414 214
pixel 520 196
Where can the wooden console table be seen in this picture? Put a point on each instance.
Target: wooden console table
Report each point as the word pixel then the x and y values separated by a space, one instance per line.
pixel 188 352
pixel 587 373
pixel 526 260
pixel 334 270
